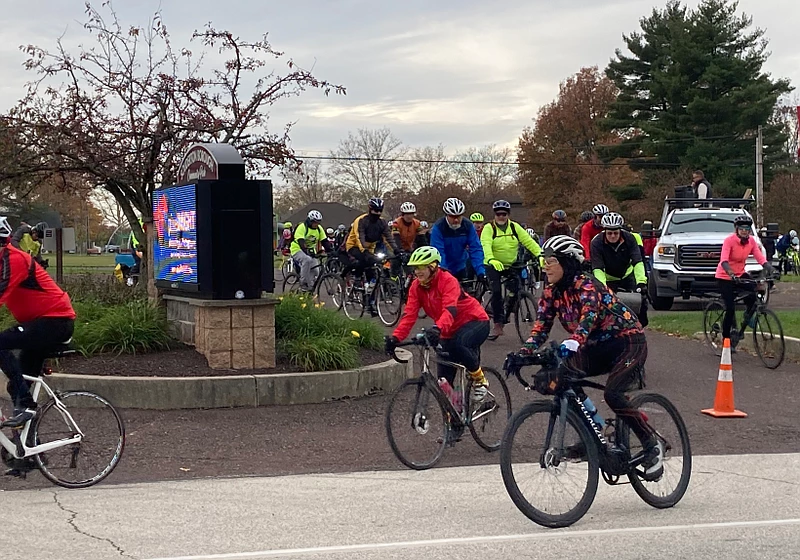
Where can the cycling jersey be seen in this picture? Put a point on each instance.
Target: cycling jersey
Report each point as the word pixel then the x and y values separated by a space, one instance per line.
pixel 618 260
pixel 735 254
pixel 455 245
pixel 28 291
pixel 407 236
pixel 313 238
pixel 502 242
pixel 444 301
pixel 366 231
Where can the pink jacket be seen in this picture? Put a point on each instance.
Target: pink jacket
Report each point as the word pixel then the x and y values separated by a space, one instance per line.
pixel 736 254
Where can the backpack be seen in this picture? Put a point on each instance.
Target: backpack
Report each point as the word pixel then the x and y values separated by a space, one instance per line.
pixel 513 230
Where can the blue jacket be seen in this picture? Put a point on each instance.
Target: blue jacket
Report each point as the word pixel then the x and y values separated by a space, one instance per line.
pixel 784 243
pixel 453 245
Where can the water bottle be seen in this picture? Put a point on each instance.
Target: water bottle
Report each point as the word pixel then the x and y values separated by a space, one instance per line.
pixel 447 389
pixel 592 410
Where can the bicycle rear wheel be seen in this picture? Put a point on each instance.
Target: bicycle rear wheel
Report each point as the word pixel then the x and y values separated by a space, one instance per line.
pixel 768 339
pixel 82 464
pixel 353 298
pixel 535 479
pixel 713 315
pixel 389 301
pixel 291 284
pixel 524 315
pixel 329 291
pixel 664 418
pixel 416 425
pixel 488 419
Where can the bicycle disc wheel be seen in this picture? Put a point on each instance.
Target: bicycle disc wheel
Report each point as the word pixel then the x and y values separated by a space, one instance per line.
pixel 89 461
pixel 389 301
pixel 329 291
pixel 488 419
pixel 353 302
pixel 664 418
pixel 524 315
pixel 713 315
pixel 416 425
pixel 535 480
pixel 768 339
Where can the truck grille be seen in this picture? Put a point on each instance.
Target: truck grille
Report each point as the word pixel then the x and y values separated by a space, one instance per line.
pixel 699 256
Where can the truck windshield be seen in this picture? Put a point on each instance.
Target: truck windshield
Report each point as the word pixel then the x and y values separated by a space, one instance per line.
pixel 702 223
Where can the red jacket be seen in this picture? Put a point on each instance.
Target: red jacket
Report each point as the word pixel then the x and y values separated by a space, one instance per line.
pixel 588 231
pixel 27 290
pixel 443 301
pixel 649 244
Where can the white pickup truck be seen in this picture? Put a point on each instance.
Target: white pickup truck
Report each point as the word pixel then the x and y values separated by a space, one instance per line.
pixel 689 245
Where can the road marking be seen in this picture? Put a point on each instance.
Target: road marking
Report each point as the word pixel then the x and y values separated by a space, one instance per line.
pixel 555 533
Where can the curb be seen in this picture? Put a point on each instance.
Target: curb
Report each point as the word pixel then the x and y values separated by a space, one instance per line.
pixel 165 393
pixel 792 345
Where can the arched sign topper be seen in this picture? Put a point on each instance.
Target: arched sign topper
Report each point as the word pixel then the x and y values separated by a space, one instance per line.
pixel 211 162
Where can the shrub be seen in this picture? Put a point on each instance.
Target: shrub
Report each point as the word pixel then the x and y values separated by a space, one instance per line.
pixel 137 326
pixel 321 353
pixel 101 288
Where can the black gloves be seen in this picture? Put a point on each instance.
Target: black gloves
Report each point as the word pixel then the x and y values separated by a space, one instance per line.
pixel 390 343
pixel 433 334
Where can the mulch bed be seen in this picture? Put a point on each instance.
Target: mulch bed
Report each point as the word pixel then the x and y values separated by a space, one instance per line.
pixel 179 362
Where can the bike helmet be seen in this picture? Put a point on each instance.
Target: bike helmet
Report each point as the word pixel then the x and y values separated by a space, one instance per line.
pixel 741 221
pixel 792 234
pixel 600 210
pixel 408 208
pixel 501 205
pixel 5 227
pixel 329 231
pixel 39 229
pixel 423 224
pixel 453 207
pixel 341 227
pixel 287 234
pixel 376 204
pixel 612 220
pixel 531 232
pixel 476 217
pixel 563 246
pixel 287 225
pixel 424 255
pixel 559 215
pixel 586 216
pixel 315 216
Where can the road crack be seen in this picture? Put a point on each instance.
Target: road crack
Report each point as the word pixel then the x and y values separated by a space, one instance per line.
pixel 71 522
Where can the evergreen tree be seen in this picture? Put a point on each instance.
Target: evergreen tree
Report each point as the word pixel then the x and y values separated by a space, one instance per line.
pixel 692 93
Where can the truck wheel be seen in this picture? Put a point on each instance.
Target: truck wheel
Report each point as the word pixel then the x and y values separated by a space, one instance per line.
pixel 659 303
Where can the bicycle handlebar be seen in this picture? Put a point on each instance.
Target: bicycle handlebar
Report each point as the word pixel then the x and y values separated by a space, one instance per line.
pixel 421 339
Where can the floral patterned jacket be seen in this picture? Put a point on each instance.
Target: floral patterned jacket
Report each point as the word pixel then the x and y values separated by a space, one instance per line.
pixel 586 309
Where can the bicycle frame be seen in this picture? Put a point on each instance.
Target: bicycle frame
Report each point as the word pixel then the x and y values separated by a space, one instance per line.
pixel 16 446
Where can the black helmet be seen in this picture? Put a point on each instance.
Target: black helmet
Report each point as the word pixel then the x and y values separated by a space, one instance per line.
pixel 586 216
pixel 743 220
pixel 376 204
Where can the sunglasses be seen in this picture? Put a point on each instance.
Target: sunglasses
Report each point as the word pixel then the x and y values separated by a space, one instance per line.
pixel 550 261
pixel 612 231
pixel 501 214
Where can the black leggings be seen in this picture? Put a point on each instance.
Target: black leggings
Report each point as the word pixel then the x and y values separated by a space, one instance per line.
pixel 361 261
pixel 629 284
pixel 495 277
pixel 621 358
pixel 464 348
pixel 34 340
pixel 728 289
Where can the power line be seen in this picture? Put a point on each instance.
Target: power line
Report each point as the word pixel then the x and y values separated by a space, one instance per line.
pixel 451 161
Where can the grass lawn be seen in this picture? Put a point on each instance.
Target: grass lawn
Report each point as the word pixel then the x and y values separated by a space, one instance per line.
pixel 103 264
pixel 790 278
pixel 686 323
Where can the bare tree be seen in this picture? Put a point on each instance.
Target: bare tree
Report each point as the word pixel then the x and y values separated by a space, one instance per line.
pixel 427 166
pixel 367 162
pixel 485 171
pixel 110 209
pixel 131 104
pixel 309 182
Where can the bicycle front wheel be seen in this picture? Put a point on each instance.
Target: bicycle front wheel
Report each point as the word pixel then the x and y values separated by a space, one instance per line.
pixel 329 291
pixel 291 284
pixel 416 425
pixel 389 301
pixel 353 298
pixel 671 432
pixel 551 491
pixel 488 419
pixel 768 339
pixel 524 315
pixel 82 464
pixel 713 315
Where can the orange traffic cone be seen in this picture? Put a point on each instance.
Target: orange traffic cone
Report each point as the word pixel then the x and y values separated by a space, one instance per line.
pixel 723 400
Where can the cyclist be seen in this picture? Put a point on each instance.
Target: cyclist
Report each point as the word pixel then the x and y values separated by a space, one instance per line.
pixel 331 234
pixel 782 246
pixel 460 320
pixel 286 238
pixel 592 228
pixel 617 260
pixel 28 238
pixel 735 250
pixel 501 239
pixel 46 321
pixel 557 226
pixel 455 238
pixel 426 232
pixel 604 337
pixel 533 234
pixel 308 238
pixel 366 232
pixel 477 222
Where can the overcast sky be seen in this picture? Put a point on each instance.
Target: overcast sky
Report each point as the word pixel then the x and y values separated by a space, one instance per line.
pixel 462 73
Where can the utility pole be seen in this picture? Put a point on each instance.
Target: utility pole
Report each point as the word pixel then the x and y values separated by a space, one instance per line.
pixel 760 178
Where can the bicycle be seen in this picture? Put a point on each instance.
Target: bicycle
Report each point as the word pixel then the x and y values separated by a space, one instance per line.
pixel 327 288
pixel 793 256
pixel 287 264
pixel 383 295
pixel 76 420
pixel 436 421
pixel 517 301
pixel 767 330
pixel 573 443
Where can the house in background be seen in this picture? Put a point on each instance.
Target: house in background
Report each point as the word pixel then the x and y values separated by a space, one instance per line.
pixel 520 213
pixel 333 214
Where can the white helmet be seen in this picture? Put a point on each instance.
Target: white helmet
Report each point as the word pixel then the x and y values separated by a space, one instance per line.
pixel 531 232
pixel 600 210
pixel 315 216
pixel 5 227
pixel 423 223
pixel 564 246
pixel 329 231
pixel 792 234
pixel 408 208
pixel 453 207
pixel 341 227
pixel 612 220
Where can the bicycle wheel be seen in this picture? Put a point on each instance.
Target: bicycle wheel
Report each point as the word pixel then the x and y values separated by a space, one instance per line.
pixel 287 267
pixel 664 418
pixel 416 425
pixel 329 291
pixel 534 479
pixel 768 338
pixel 713 315
pixel 389 301
pixel 353 302
pixel 291 285
pixel 488 419
pixel 524 315
pixel 89 461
